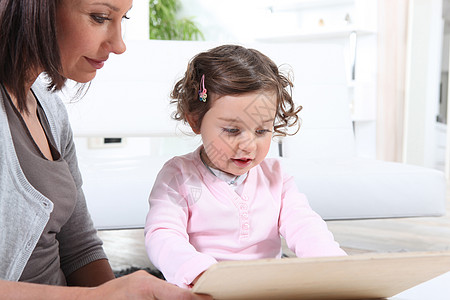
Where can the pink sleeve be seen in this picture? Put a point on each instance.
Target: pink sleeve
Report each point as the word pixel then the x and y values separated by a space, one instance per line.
pixel 166 238
pixel 306 233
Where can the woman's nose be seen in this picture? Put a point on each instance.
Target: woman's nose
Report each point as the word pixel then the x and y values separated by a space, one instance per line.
pixel 120 47
pixel 116 44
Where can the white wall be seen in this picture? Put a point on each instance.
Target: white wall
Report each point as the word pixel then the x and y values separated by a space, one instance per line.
pixel 292 21
pixel 245 21
pixel 422 81
pixel 231 20
pixel 136 28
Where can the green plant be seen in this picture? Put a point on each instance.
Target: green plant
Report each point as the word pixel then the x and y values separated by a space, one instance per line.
pixel 164 24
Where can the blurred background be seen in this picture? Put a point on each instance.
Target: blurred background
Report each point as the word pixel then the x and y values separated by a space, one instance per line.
pixel 396 54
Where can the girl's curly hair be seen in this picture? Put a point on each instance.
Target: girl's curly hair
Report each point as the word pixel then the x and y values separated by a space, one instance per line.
pixel 234 70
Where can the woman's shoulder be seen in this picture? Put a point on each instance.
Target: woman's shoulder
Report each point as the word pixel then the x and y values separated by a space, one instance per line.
pixel 55 111
pixel 44 95
pixel 49 100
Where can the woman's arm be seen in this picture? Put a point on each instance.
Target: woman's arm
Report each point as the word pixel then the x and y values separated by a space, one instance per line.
pixel 23 291
pixel 138 285
pixel 92 274
pixel 83 260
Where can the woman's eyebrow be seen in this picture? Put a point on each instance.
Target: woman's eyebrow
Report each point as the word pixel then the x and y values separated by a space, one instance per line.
pixel 112 7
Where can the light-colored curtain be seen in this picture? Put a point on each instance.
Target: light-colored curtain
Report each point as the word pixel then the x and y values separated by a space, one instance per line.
pixel 392 47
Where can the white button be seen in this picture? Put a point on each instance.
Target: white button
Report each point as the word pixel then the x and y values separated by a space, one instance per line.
pixel 28 246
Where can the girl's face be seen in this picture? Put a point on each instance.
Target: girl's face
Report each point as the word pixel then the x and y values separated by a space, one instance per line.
pixel 87 32
pixel 237 131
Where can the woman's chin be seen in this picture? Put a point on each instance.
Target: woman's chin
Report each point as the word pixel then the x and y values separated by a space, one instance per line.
pixel 82 78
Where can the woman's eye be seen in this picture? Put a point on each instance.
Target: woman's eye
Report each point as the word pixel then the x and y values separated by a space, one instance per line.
pixel 100 18
pixel 233 131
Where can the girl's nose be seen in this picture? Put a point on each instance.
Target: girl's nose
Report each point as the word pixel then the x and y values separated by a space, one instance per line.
pixel 247 142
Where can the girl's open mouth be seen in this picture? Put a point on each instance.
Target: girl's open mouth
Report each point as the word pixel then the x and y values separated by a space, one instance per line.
pixel 242 162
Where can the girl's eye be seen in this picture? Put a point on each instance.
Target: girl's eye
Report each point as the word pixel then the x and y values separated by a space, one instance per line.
pixel 262 131
pixel 100 18
pixel 232 131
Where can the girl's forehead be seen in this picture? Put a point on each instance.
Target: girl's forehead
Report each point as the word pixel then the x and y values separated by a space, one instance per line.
pixel 259 106
pixel 251 97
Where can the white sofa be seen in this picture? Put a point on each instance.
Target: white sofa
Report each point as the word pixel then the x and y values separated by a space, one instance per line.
pixel 129 99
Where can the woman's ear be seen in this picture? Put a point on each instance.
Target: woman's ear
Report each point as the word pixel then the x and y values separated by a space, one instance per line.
pixel 193 123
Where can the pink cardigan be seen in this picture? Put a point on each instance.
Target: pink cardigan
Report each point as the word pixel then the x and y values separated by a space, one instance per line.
pixel 196 219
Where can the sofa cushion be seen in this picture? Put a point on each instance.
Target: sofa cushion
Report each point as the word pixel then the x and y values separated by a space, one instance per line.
pixel 358 188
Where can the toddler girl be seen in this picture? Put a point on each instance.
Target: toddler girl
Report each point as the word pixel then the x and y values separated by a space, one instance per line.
pixel 226 200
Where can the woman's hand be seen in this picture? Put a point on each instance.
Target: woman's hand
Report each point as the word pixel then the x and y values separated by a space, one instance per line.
pixel 137 286
pixel 141 285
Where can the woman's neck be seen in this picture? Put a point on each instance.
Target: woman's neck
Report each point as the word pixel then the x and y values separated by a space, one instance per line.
pixel 31 103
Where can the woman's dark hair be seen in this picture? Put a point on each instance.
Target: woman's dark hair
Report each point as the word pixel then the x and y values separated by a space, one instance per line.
pixel 233 70
pixel 28 43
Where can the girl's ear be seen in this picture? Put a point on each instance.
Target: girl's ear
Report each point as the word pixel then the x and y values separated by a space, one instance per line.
pixel 193 123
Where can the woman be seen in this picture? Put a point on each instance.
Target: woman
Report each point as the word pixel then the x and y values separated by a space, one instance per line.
pixel 47 234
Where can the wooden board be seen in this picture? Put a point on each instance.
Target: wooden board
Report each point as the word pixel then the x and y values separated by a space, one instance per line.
pixel 365 276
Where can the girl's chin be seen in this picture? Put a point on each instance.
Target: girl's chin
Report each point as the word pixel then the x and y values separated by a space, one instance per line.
pixel 237 173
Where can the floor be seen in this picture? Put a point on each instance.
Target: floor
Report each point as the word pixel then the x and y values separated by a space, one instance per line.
pixel 125 248
pixel 394 235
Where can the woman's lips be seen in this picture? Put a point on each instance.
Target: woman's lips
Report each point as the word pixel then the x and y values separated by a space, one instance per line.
pixel 243 162
pixel 97 64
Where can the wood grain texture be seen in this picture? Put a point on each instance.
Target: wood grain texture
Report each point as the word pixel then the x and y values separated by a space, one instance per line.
pixel 366 276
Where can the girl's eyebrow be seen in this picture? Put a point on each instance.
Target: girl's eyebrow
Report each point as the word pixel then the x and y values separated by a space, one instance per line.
pixel 237 120
pixel 233 120
pixel 269 120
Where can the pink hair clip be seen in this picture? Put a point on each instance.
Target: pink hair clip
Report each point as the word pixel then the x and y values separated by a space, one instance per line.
pixel 202 92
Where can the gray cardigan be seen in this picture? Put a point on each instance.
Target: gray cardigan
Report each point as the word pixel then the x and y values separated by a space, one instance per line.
pixel 24 211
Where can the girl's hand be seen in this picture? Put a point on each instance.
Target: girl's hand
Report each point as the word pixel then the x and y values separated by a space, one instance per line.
pixel 196 279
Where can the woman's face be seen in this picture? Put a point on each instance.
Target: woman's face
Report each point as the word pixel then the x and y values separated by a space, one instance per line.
pixel 87 32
